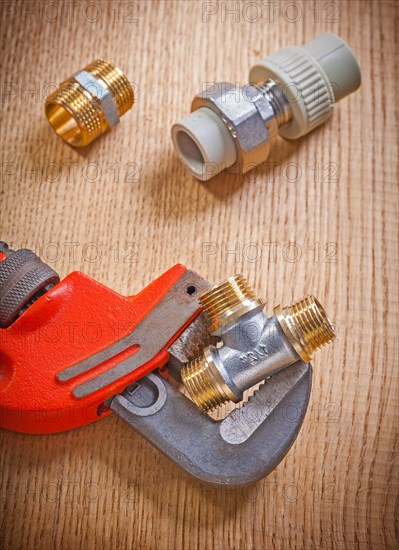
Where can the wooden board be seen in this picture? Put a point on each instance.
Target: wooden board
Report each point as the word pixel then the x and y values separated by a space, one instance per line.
pixel 133 211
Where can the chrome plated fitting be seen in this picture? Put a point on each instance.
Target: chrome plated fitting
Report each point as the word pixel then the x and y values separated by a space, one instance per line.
pixel 291 92
pixel 254 346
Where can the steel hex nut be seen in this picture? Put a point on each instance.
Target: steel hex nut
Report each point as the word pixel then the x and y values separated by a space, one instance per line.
pixel 238 108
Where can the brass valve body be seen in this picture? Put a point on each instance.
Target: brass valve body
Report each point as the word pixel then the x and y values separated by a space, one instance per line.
pixel 254 346
pixel 89 103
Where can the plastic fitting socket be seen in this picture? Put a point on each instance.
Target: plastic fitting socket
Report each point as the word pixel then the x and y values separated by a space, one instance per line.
pixel 291 92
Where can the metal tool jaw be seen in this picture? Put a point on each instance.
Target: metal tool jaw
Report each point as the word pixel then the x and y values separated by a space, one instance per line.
pixel 240 449
pixel 243 447
pixel 79 351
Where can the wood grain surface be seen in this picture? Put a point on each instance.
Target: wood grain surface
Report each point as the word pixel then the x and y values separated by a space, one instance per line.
pixel 319 217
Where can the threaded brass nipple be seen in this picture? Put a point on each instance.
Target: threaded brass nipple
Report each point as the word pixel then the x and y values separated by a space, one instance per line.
pixel 227 301
pixel 306 325
pixel 201 383
pixel 116 81
pixel 89 103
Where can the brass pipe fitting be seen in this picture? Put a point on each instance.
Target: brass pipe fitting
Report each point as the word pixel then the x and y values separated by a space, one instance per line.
pixel 206 388
pixel 306 325
pixel 89 103
pixel 226 302
pixel 254 346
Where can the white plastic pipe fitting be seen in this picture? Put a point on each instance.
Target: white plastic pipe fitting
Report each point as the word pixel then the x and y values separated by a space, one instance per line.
pixel 203 139
pixel 309 80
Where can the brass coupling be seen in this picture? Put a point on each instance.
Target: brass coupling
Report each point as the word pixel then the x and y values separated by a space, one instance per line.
pixel 204 384
pixel 306 325
pixel 226 302
pixel 89 103
pixel 254 346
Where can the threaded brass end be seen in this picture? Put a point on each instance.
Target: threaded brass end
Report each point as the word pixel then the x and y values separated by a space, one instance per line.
pixel 202 383
pixel 306 325
pixel 116 81
pixel 77 115
pixel 227 301
pixel 77 119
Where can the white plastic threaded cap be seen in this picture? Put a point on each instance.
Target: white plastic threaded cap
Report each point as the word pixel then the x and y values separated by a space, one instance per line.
pixel 312 77
pixel 204 144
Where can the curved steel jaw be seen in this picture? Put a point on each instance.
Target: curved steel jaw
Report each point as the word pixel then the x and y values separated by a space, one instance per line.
pixel 240 449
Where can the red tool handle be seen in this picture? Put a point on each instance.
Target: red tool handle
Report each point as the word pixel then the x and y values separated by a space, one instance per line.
pixel 68 324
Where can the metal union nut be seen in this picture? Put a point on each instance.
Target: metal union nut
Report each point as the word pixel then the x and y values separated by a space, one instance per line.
pixel 248 115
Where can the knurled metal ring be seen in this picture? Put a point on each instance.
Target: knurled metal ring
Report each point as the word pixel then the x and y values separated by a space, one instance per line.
pixel 23 279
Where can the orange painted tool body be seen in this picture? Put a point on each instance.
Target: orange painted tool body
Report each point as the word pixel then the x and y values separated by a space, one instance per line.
pixel 75 319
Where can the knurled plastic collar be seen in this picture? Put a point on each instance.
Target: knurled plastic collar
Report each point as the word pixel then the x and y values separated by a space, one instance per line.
pixel 305 85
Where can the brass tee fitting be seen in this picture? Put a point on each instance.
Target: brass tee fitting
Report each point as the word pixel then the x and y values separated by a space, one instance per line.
pixel 254 346
pixel 89 103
